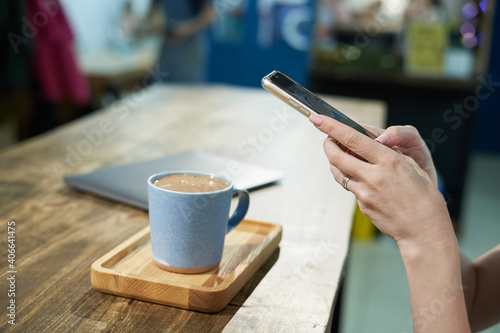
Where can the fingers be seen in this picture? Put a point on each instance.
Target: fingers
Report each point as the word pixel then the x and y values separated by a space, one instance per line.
pixel 360 144
pixel 346 163
pixel 403 136
pixel 416 167
pixel 352 184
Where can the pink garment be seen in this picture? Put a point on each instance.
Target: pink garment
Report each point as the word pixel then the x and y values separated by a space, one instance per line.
pixel 54 62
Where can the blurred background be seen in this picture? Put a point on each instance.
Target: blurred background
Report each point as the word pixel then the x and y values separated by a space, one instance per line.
pixel 434 62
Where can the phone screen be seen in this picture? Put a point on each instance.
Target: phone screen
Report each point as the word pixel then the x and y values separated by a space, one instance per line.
pixel 313 102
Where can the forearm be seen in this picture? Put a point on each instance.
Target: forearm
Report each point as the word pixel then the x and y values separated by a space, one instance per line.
pixel 468 281
pixel 435 284
pixel 402 201
pixel 485 308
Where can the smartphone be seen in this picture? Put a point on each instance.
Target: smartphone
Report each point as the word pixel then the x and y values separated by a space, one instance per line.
pixel 305 101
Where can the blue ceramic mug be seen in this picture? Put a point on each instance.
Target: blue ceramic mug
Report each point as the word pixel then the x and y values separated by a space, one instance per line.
pixel 188 228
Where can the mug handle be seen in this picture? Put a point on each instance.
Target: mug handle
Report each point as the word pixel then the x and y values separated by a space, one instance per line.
pixel 241 209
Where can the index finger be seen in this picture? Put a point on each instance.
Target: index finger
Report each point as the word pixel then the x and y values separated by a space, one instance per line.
pixel 360 144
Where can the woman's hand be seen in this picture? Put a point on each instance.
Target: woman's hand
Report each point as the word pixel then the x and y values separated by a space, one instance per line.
pixel 408 141
pixel 401 199
pixel 396 194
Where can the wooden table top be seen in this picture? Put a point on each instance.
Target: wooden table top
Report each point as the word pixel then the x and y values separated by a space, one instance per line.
pixel 60 232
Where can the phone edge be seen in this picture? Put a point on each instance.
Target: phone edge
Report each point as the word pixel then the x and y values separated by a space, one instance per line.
pixel 285 97
pixel 299 106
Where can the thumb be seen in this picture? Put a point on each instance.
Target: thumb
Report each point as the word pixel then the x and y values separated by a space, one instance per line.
pixel 403 136
pixel 383 138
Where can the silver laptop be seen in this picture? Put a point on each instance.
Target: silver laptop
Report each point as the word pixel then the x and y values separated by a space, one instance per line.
pixel 127 183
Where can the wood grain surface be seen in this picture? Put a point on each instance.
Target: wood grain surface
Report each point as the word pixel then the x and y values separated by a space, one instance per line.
pixel 60 232
pixel 129 270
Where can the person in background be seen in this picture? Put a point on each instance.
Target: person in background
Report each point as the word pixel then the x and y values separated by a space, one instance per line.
pixel 184 51
pixel 60 91
pixel 395 184
pixel 129 22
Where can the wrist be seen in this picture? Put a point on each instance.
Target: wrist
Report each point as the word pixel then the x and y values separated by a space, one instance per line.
pixel 432 230
pixel 434 248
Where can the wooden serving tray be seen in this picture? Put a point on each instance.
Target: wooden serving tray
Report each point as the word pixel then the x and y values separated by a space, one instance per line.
pixel 129 271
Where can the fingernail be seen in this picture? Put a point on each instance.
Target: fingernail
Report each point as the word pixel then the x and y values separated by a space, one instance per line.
pixel 317 121
pixel 383 138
